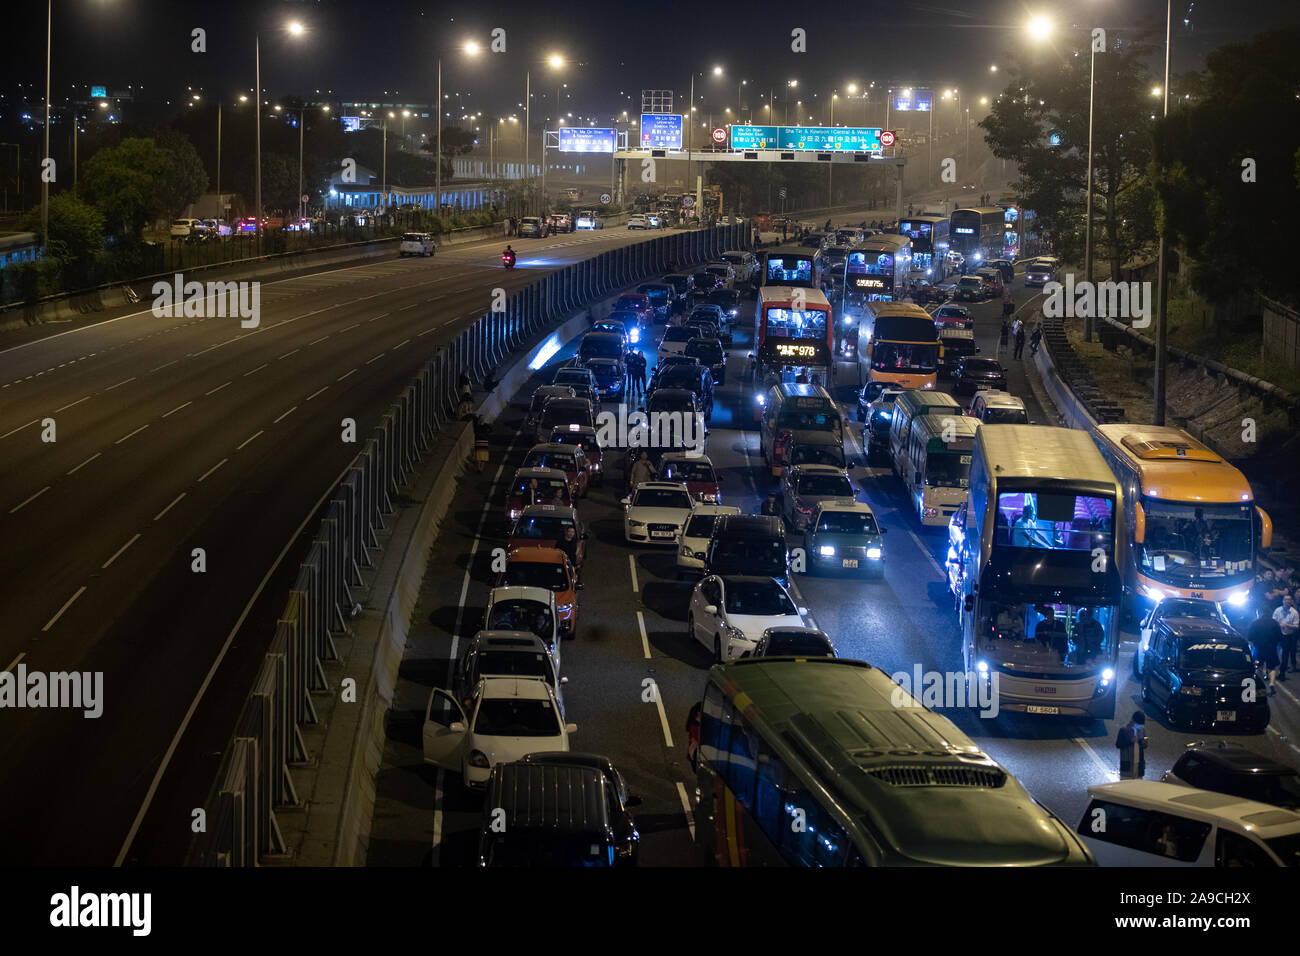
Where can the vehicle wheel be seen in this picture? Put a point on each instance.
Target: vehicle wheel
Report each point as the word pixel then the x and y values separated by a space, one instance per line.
pixel 717 648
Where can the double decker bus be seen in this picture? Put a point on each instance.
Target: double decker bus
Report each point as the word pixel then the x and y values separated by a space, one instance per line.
pixel 794 332
pixel 792 266
pixel 978 234
pixel 828 762
pixel 929 235
pixel 1035 562
pixel 1192 527
pixel 878 267
pixel 898 343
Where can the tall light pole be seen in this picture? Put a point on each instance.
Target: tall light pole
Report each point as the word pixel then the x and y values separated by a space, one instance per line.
pixel 471 48
pixel 555 62
pixel 45 186
pixel 1162 267
pixel 295 29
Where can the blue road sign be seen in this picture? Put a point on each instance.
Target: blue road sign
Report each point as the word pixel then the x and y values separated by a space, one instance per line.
pixel 585 140
pixel 661 131
pixel 833 139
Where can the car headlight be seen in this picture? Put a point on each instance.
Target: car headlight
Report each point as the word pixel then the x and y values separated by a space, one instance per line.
pixel 685 551
pixel 827 550
pixel 632 522
pixel 1190 690
pixel 874 554
pixel 514 513
pixel 479 759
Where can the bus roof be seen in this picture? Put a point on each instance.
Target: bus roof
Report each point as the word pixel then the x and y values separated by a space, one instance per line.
pixel 1044 452
pixel 1174 466
pixel 789 250
pixel 784 295
pixel 902 777
pixel 886 242
pixel 802 390
pixel 946 428
pixel 879 307
pixel 924 217
pixel 982 210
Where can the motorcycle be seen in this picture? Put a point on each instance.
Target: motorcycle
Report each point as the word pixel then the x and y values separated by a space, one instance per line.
pixel 508 259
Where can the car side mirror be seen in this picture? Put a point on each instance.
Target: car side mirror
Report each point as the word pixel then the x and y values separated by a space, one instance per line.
pixel 570 728
pixel 625 501
pixel 803 610
pixel 564 680
pixel 457 727
pixel 710 609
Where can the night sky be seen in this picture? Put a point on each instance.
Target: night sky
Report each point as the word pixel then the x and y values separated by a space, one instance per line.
pixel 361 50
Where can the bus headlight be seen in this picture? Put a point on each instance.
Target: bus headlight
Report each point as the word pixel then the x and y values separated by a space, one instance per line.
pixel 982 668
pixel 1154 593
pixel 761 399
pixel 1107 676
pixel 1240 598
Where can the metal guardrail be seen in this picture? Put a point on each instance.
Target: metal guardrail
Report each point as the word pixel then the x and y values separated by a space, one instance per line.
pixel 254 779
pixel 1074 372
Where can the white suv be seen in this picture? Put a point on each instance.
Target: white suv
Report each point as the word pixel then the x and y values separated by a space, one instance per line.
pixel 416 244
pixel 181 228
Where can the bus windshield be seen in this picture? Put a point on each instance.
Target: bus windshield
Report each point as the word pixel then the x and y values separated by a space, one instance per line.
pixel 1185 544
pixel 789 270
pixel 1057 635
pixel 948 469
pixel 904 356
pixel 1055 521
pixel 809 323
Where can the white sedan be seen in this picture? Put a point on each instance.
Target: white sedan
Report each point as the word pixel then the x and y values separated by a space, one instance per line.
pixel 729 613
pixel 693 543
pixel 510 717
pixel 656 512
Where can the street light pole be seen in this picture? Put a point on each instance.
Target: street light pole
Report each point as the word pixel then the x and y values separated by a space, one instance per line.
pixel 302 118
pixel 528 102
pixel 45 186
pixel 437 189
pixel 1087 255
pixel 257 114
pixel 1162 267
pixel 218 152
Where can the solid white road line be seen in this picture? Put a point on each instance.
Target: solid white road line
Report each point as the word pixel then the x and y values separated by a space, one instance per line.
pixel 663 717
pixel 686 807
pixel 118 552
pixel 67 604
pixel 1111 774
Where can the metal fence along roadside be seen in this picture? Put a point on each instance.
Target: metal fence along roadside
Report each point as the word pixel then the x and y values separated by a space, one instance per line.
pixel 254 779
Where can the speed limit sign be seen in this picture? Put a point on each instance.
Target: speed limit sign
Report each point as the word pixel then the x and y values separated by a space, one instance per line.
pixel 886 137
pixel 719 135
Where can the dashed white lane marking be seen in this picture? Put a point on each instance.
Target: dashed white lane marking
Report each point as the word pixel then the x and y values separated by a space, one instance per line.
pixel 163 366
pixel 258 369
pixel 66 407
pixel 631 563
pixel 85 463
pixel 125 437
pixel 217 389
pixel 250 438
pixel 178 408
pixel 344 375
pixel 645 641
pixel 14 663
pixel 118 552
pixel 663 717
pixel 213 468
pixel 318 341
pixel 170 506
pixel 67 604
pixel 686 807
pixel 19 428
pixel 23 504
pixel 376 358
pixel 287 354
pixel 285 415
pixel 120 384
pixel 315 393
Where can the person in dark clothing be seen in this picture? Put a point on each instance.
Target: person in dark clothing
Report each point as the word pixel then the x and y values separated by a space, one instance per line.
pixel 1035 339
pixel 1131 742
pixel 827 227
pixel 1020 343
pixel 770 507
pixel 1004 336
pixel 569 545
pixel 636 365
pixel 785 229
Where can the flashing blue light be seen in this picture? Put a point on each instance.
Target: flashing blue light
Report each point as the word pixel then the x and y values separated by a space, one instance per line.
pixel 545 353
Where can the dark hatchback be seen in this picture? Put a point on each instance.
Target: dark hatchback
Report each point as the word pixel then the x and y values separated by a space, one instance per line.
pixel 974 374
pixel 1195 672
pixel 1232 769
pixel 749 544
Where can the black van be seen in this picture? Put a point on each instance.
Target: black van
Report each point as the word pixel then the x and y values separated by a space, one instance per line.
pixel 749 544
pixel 558 810
pixel 1194 672
pixel 958 345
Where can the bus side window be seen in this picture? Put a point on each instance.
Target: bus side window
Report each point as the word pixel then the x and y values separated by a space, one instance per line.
pixel 1234 850
pixel 742 764
pixel 770 798
pixel 811 837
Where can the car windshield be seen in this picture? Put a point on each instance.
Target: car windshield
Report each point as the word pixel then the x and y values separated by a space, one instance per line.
pixel 529 616
pixel 759 598
pixel 796 643
pixel 750 555
pixel 689 471
pixel 518 663
pixel 605 372
pixel 680 376
pixel 982 365
pixel 535 574
pixel 546 490
pixel 662 498
pixel 1005 416
pixel 706 351
pixel 701 526
pixel 847 522
pixel 1212 654
pixel 836 485
pixel 512 717
pixel 971 282
pixel 904 357
pixel 601 345
pixel 678 333
pixel 633 302
pixel 818 455
pixel 949 312
pixel 805 419
pixel 542 527
pixel 1186 608
pixel 947 469
pixel 561 461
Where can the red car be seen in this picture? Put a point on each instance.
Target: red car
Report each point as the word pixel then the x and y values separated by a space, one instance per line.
pixel 568 459
pixel 583 436
pixel 536 486
pixel 953 317
pixel 543 526
pixel 696 472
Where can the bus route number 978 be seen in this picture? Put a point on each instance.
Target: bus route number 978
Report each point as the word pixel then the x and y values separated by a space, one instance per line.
pixel 796 351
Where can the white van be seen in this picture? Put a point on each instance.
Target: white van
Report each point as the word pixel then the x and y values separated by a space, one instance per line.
pixel 416 244
pixel 1147 823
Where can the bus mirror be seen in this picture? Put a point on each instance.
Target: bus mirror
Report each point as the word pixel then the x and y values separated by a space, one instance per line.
pixel 1139 523
pixel 969 603
pixel 1265 528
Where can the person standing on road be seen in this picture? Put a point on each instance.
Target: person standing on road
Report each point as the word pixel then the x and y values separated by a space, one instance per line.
pixel 636 372
pixel 642 471
pixel 569 545
pixel 1262 634
pixel 1288 622
pixel 1035 339
pixel 1132 744
pixel 785 229
pixel 770 507
pixel 1004 335
pixel 1019 329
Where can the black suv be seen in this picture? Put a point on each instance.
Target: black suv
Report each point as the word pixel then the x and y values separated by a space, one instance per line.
pixel 695 378
pixel 974 374
pixel 1232 769
pixel 1197 672
pixel 749 544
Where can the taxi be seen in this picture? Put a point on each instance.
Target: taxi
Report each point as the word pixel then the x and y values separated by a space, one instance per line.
pixel 546 568
pixel 551 488
pixel 694 471
pixel 584 437
pixel 566 458
pixel 543 526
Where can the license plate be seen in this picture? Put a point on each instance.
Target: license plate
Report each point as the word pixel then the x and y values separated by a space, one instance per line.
pixel 1225 715
pixel 661 534
pixel 1041 709
pixel 850 562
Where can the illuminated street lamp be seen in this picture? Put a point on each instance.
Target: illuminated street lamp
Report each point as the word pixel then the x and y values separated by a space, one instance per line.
pixel 293 28
pixel 471 48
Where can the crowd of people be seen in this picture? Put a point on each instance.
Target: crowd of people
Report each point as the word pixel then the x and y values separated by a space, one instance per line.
pixel 1272 635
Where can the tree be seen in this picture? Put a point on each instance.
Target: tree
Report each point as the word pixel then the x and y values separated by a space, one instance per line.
pixel 124 183
pixel 185 179
pixel 1044 98
pixel 457 142
pixel 1228 222
pixel 76 237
